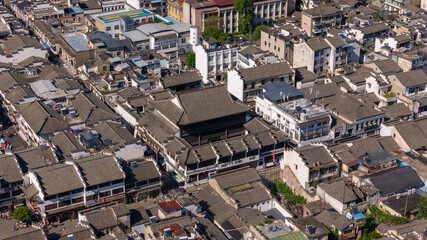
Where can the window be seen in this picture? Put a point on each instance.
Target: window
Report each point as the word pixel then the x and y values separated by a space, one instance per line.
pixel 77 200
pixel 105 194
pixel 117 191
pixel 108 28
pixel 183 40
pixel 64 203
pixel 50 206
pixel 116 27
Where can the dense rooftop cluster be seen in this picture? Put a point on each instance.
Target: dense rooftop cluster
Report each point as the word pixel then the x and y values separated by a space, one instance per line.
pixel 128 119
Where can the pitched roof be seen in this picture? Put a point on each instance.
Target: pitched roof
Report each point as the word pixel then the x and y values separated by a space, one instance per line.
pixel 412 78
pixel 314 154
pixel 317 44
pixel 66 143
pixel 238 178
pixel 100 168
pixel 35 158
pixel 140 171
pixel 19 42
pixel 266 71
pixel 412 134
pixel 397 110
pixel 10 170
pixel 115 133
pixel 321 11
pixel 180 79
pixel 387 66
pixel 41 118
pixel 333 218
pixel 395 180
pixel 339 190
pixel 169 206
pixel 348 107
pixel 91 109
pixel 58 178
pixel 336 41
pixel 208 104
pixel 374 28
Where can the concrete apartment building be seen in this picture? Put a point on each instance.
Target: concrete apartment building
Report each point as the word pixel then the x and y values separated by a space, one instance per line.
pixel 316 21
pixel 196 12
pixel 313 54
pixel 311 165
pixel 74 49
pixel 245 84
pixel 215 62
pixel 284 106
pixel 415 58
pixel 119 22
pixel 275 41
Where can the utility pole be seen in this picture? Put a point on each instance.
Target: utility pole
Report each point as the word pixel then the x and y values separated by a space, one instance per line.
pixel 406 204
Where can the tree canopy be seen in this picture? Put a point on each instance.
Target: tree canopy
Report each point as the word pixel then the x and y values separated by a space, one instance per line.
pixel 22 213
pixel 246 15
pixel 422 208
pixel 190 60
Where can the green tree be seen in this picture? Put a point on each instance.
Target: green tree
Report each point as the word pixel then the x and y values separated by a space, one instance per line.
pixel 22 213
pixel 257 32
pixel 377 16
pixel 190 60
pixel 213 22
pixel 216 33
pixel 422 208
pixel 246 15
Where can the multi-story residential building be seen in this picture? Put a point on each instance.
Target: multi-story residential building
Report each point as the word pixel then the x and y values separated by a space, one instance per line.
pixel 339 52
pixel 143 180
pixel 245 84
pixel 53 191
pixel 311 165
pixel 214 62
pixel 168 40
pixel 196 12
pixel 410 88
pixel 113 5
pixel 175 10
pixel 394 5
pixel 390 44
pixel 353 117
pixel 74 49
pixel 415 58
pixel 156 6
pixel 316 21
pixel 11 180
pixel 367 35
pixel 119 22
pixel 197 144
pixel 286 107
pixel 280 42
pixel 37 122
pixel 314 54
pixel 380 86
pixel 253 56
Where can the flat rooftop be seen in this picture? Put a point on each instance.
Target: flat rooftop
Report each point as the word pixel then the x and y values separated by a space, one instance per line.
pixel 78 41
pixel 131 14
pixel 303 109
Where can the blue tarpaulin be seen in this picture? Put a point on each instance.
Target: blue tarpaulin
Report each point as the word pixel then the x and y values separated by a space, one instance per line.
pixel 359 216
pixel 171 20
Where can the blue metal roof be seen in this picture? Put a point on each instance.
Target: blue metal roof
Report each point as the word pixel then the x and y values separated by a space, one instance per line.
pixel 76 10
